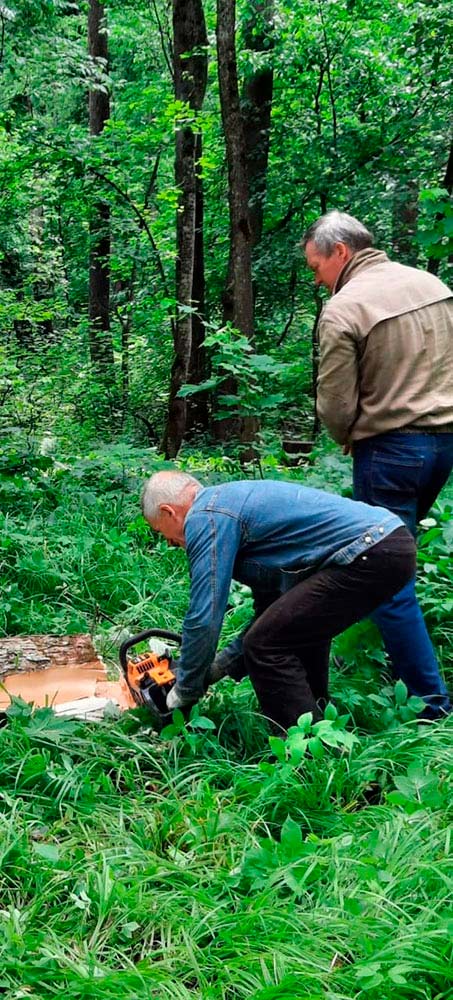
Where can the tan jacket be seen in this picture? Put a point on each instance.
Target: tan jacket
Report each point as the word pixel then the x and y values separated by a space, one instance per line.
pixel 386 350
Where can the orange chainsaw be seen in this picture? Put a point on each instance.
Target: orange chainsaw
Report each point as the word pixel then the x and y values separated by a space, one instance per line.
pixel 149 676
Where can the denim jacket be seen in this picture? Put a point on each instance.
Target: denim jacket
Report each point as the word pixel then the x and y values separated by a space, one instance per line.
pixel 268 535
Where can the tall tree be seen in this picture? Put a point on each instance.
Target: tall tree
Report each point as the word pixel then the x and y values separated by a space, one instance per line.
pixel 101 347
pixel 238 291
pixel 198 405
pixel 257 106
pixel 404 219
pixel 447 183
pixel 190 76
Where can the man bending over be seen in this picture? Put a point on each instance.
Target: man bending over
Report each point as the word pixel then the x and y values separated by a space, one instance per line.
pixel 315 562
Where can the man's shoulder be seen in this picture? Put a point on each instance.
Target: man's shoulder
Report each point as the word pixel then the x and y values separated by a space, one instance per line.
pixel 238 492
pixel 381 291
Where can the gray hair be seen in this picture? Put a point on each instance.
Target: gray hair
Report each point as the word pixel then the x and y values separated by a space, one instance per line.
pixel 165 487
pixel 337 227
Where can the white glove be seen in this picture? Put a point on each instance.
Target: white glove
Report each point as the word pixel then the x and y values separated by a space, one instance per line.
pixel 177 700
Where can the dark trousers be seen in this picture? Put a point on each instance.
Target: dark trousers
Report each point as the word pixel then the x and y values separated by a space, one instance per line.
pixel 286 651
pixel 405 472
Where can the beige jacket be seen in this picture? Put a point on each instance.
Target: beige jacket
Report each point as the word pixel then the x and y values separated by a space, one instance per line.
pixel 386 350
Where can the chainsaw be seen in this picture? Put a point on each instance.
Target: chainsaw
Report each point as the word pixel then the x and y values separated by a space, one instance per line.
pixel 149 676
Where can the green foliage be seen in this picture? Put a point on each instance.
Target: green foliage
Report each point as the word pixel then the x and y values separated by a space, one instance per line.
pixel 313 738
pixel 204 864
pixel 435 570
pixel 130 868
pixel 436 236
pixel 137 864
pixel 361 99
pixel 79 554
pixel 256 376
pixel 397 706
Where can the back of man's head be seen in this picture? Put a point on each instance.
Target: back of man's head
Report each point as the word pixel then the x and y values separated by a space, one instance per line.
pixel 167 487
pixel 337 227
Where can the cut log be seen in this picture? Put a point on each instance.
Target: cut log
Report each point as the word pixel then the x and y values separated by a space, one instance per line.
pixel 37 652
pixel 56 670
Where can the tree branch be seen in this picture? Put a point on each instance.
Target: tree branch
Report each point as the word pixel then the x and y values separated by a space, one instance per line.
pixel 143 222
pixel 329 76
pixel 167 53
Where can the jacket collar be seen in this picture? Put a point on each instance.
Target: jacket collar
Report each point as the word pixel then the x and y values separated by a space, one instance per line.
pixel 361 261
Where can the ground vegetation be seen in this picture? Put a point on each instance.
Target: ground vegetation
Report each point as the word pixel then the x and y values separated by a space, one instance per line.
pixel 144 148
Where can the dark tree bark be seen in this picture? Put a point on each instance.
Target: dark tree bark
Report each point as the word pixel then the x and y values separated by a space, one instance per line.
pixel 238 292
pixel 256 109
pixel 198 406
pixel 190 76
pixel 101 347
pixel 434 262
pixel 404 220
pixel 315 361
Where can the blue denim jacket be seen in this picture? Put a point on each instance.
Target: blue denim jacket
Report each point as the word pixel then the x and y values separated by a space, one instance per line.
pixel 268 535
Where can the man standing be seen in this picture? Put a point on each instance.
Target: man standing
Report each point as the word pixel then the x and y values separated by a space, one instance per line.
pixel 385 392
pixel 315 562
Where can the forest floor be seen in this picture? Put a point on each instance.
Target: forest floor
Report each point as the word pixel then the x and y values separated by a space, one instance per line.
pixel 206 862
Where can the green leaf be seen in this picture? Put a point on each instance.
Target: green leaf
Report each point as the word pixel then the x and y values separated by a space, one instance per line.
pixel 49 852
pixel 191 390
pixel 304 721
pixel 278 747
pixel 400 693
pixel 316 747
pixel 297 741
pixel 202 722
pixel 291 838
pixel 368 971
pixel 416 704
pixel 397 974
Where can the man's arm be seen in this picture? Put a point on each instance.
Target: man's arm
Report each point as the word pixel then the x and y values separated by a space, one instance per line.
pixel 338 381
pixel 212 541
pixel 230 661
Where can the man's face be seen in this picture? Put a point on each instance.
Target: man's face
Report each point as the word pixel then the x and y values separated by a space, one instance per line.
pixel 327 269
pixel 170 524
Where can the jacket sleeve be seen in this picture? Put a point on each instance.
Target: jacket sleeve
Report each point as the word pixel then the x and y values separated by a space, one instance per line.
pixel 338 381
pixel 212 541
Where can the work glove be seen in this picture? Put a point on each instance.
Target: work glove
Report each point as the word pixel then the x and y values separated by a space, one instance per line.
pixel 177 700
pixel 219 668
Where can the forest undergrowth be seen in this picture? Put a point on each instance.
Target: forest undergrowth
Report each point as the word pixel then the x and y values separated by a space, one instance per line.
pixel 211 862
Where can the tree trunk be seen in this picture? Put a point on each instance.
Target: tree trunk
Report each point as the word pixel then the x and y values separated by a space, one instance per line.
pixel 101 347
pixel 238 293
pixel 434 262
pixel 404 220
pixel 256 110
pixel 190 76
pixel 198 405
pixel 315 362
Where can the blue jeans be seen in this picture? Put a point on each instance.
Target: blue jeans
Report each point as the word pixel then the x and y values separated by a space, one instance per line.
pixel 405 472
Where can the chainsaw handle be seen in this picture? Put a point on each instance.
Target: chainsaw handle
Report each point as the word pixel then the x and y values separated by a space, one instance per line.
pixel 159 633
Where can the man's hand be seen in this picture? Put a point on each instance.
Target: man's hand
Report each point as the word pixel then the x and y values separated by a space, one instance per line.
pixel 217 670
pixel 177 700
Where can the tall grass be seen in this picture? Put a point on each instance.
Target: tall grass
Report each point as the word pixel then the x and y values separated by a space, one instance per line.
pixel 200 866
pixel 131 866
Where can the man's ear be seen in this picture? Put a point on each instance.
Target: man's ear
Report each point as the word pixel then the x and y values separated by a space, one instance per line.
pixel 344 252
pixel 165 508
